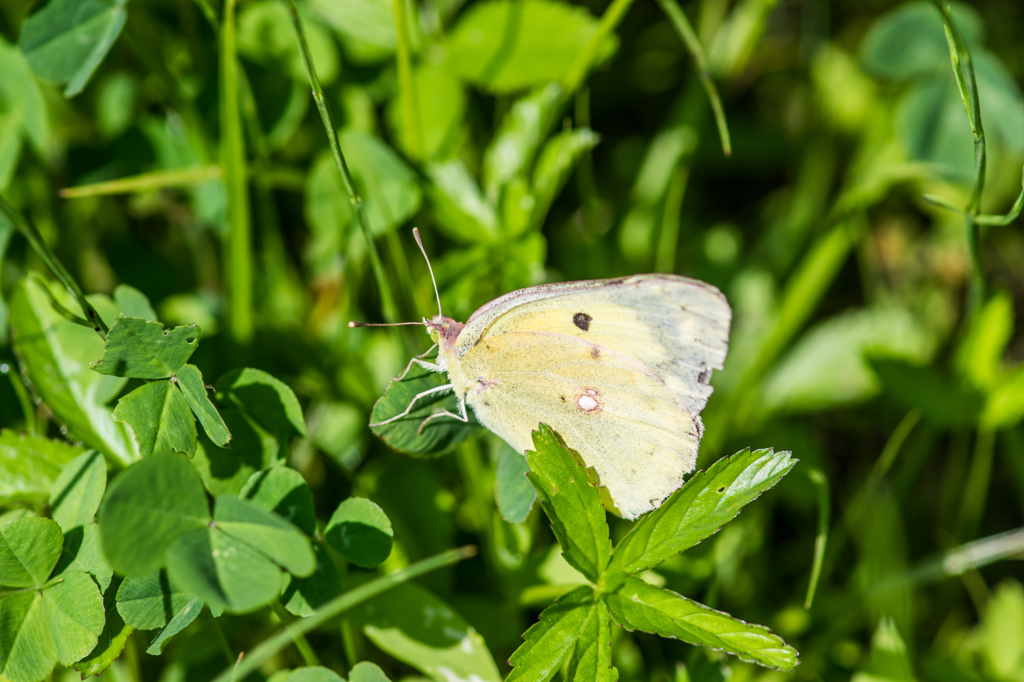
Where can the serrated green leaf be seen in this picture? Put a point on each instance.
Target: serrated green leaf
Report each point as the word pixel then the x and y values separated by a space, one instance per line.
pixel 190 381
pixel 29 549
pixel 514 494
pixel 591 659
pixel 159 417
pixel 77 492
pixel 405 622
pixel 506 46
pixel 555 164
pixel 636 605
pixel 224 572
pixel 147 507
pixel 697 510
pixel 283 491
pixel 267 532
pixel 142 349
pixel 29 465
pixel 81 552
pixel 572 504
pixel 515 144
pixel 56 354
pixel 111 641
pixel 551 640
pixel 314 674
pixel 438 436
pixel 269 401
pixel 66 40
pixel 361 532
pixel 151 601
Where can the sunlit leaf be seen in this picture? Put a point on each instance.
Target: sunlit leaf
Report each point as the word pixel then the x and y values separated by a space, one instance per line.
pixel 151 601
pixel 111 641
pixel 361 532
pixel 29 465
pixel 592 656
pixel 77 492
pixel 145 350
pixel 889 660
pixel 266 35
pixel 268 400
pixel 29 549
pixel 512 490
pixel 190 381
pixel 159 417
pixel 272 535
pixel 515 144
pixel 550 641
pixel 439 103
pixel 81 552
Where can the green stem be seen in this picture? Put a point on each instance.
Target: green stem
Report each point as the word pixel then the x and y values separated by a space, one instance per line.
pixel 820 482
pixel 301 643
pixel 976 488
pixel 387 303
pixel 146 182
pixel 239 251
pixel 668 241
pixel 218 634
pixel 585 59
pixel 28 230
pixel 27 408
pixel 682 26
pixel 407 95
pixel 272 645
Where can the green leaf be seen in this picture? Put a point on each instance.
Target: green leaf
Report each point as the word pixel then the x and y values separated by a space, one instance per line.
pixel 56 354
pixel 980 352
pixel 439 436
pixel 29 549
pixel 515 144
pixel 439 103
pixel 828 366
pixel 367 672
pixel 111 641
pixel 704 504
pixel 591 659
pixel 29 465
pixel 74 609
pixel 76 494
pixel 275 537
pixel 21 91
pixel 889 660
pixel 26 651
pixel 366 27
pixel 149 506
pixel 269 401
pixel 1002 631
pixel 285 492
pixel 81 552
pixel 504 46
pixel 556 162
pixel 133 303
pixel 413 625
pixel 303 596
pixel 190 381
pixel 550 641
pixel 910 40
pixel 151 601
pixel 361 532
pixel 1005 404
pixel 159 417
pixel 572 504
pixel 266 35
pixel 512 490
pixel 328 212
pixel 390 191
pixel 462 211
pixel 314 674
pixel 67 39
pixel 940 400
pixel 145 350
pixel 635 605
pixel 226 470
pixel 223 571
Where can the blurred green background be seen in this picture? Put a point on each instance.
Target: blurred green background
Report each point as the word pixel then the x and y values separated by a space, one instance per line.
pixel 855 341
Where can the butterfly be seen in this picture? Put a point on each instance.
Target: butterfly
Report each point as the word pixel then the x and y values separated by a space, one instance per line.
pixel 619 368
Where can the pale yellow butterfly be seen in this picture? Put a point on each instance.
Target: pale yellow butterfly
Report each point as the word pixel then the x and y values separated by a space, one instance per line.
pixel 618 367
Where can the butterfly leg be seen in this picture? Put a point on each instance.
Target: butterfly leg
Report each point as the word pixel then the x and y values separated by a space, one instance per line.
pixel 424 394
pixel 418 360
pixel 461 417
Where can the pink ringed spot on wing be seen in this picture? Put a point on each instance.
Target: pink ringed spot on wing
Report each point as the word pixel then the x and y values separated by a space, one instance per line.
pixel 588 401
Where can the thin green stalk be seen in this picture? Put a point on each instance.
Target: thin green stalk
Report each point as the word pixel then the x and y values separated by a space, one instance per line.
pixel 824 498
pixel 387 302
pixel 407 96
pixel 976 488
pixel 686 33
pixel 218 634
pixel 668 241
pixel 585 59
pixel 146 182
pixel 27 408
pixel 28 230
pixel 272 645
pixel 300 641
pixel 209 13
pixel 239 251
pixel 1010 216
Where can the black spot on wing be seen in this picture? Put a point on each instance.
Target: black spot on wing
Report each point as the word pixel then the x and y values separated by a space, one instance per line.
pixel 705 373
pixel 595 352
pixel 582 320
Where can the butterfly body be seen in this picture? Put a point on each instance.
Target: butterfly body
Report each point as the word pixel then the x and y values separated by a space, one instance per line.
pixel 619 368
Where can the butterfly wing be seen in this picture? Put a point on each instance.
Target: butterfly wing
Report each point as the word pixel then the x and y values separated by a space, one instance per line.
pixel 619 368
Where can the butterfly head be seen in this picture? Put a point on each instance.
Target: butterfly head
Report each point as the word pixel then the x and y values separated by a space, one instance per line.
pixel 444 331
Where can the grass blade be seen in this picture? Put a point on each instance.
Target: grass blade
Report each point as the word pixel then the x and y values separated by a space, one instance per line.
pixel 824 499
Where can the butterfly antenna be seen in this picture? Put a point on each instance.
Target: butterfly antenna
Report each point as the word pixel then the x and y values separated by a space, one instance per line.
pixel 382 324
pixel 419 242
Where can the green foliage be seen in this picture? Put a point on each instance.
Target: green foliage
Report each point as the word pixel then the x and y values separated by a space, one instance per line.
pixel 143 349
pixel 29 465
pixel 360 531
pixel 159 417
pixel 77 492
